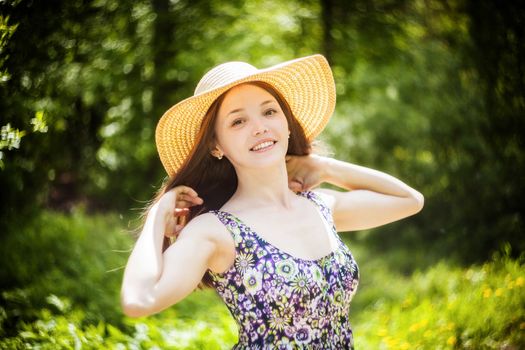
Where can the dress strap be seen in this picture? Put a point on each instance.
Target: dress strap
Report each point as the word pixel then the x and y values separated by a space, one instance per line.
pixel 232 224
pixel 323 208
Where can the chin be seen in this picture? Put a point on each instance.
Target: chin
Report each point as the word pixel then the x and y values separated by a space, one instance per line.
pixel 261 161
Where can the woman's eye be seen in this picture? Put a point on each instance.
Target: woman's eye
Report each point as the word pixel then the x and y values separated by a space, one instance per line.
pixel 237 122
pixel 270 112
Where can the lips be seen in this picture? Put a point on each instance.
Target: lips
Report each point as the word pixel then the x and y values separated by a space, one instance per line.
pixel 263 145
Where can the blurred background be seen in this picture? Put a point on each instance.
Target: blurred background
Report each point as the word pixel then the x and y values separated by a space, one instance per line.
pixel 431 91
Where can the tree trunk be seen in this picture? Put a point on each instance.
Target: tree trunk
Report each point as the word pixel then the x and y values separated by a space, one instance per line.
pixel 327 14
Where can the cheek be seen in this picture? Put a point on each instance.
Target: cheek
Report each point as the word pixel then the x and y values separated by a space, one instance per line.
pixel 282 124
pixel 229 142
pixel 221 137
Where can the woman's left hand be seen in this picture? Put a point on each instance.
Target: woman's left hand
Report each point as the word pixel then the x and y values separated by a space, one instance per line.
pixel 304 172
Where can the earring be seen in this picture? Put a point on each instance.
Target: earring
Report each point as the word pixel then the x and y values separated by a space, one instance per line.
pixel 217 153
pixel 289 132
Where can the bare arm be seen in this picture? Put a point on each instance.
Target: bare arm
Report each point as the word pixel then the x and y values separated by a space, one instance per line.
pixel 154 280
pixel 373 197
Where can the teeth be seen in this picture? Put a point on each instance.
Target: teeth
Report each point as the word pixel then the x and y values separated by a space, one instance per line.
pixel 262 145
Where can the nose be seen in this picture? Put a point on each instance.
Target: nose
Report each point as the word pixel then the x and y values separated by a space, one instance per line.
pixel 259 128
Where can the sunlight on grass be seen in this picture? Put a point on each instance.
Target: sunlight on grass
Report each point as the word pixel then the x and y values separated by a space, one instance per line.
pixel 481 307
pixel 75 303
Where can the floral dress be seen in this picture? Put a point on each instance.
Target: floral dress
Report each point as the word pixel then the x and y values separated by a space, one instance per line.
pixel 283 302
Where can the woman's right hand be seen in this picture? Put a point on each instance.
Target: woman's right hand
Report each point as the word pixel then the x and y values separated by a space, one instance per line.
pixel 155 279
pixel 175 206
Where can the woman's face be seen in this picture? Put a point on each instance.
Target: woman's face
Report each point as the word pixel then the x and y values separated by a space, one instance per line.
pixel 251 128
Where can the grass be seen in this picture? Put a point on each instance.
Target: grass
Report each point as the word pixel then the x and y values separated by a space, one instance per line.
pixel 481 307
pixel 61 279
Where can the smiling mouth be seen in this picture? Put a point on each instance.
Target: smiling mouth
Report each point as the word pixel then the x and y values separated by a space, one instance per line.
pixel 263 145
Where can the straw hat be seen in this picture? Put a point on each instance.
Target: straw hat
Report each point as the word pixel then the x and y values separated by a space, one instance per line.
pixel 306 84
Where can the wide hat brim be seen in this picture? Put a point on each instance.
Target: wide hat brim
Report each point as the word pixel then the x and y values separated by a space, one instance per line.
pixel 307 84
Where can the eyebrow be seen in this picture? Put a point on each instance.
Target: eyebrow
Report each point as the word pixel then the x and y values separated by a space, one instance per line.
pixel 241 109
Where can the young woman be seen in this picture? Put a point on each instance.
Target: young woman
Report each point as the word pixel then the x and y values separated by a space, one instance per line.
pixel 259 230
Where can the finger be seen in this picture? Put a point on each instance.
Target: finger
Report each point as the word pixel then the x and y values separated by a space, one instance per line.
pixel 181 221
pixel 196 200
pixel 185 204
pixel 307 187
pixel 169 230
pixel 185 196
pixel 174 230
pixel 170 234
pixel 188 198
pixel 297 181
pixel 295 186
pixel 186 190
pixel 181 212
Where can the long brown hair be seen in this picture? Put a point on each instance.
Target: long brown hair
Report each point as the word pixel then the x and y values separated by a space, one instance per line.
pixel 215 180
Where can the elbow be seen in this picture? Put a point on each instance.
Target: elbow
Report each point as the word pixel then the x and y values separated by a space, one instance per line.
pixel 132 310
pixel 134 307
pixel 419 201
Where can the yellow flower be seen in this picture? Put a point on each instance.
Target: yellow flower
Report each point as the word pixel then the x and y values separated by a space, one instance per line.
pixel 452 340
pixel 498 292
pixel 391 342
pixel 405 346
pixel 487 293
pixel 520 281
pixel 382 332
pixel 414 328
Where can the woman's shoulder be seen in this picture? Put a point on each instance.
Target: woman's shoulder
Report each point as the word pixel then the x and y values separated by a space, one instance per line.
pixel 206 225
pixel 205 222
pixel 326 196
pixel 206 228
pixel 205 219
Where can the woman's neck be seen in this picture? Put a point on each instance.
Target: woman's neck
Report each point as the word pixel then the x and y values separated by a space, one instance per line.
pixel 263 187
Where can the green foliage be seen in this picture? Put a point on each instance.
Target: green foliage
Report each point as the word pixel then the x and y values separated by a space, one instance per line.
pixel 6 31
pixel 429 91
pixel 80 255
pixel 415 105
pixel 481 307
pixel 10 138
pixel 59 326
pixel 60 291
pixel 110 71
